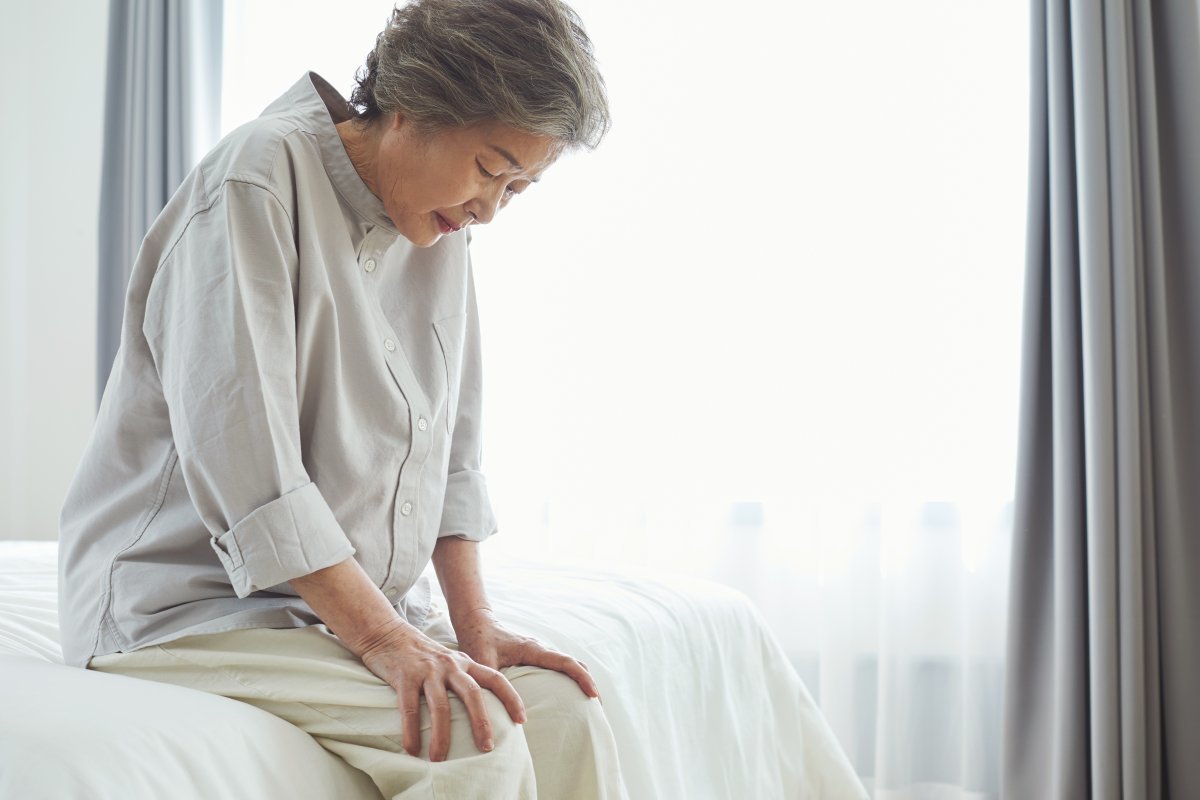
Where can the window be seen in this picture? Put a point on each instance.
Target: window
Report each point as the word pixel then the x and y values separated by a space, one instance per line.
pixel 768 333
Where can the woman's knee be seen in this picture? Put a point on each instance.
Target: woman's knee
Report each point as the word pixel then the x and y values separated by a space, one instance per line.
pixel 555 701
pixel 570 742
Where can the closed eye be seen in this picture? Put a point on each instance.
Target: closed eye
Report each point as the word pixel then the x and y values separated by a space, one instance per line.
pixel 509 191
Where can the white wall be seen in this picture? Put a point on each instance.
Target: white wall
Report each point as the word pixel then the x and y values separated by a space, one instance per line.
pixel 52 54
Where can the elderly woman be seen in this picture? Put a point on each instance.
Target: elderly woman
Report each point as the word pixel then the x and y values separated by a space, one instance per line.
pixel 291 430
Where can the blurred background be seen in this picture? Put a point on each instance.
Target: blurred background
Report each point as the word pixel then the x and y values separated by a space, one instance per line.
pixel 767 334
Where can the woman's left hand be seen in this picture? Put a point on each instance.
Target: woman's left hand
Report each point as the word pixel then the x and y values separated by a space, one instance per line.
pixel 488 642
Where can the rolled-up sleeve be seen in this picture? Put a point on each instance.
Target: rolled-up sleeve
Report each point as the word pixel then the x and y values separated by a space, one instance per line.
pixel 467 509
pixel 220 324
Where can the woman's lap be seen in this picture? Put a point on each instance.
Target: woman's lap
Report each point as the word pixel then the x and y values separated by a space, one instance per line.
pixel 307 677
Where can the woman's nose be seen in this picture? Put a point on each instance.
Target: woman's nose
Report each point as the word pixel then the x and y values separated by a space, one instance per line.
pixel 484 208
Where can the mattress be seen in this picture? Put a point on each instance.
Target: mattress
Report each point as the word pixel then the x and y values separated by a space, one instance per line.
pixel 701 699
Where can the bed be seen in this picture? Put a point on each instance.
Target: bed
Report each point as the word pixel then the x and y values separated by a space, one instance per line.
pixel 700 697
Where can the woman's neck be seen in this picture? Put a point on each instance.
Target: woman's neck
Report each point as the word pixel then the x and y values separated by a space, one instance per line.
pixel 362 146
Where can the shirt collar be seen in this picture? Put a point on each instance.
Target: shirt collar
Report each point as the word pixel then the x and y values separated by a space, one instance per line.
pixel 322 107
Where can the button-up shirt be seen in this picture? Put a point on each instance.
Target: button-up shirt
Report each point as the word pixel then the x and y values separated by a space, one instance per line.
pixel 296 384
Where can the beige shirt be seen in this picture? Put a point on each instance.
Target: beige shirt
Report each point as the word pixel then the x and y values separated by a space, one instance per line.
pixel 296 384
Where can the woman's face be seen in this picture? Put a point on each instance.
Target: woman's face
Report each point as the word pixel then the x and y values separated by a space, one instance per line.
pixel 433 185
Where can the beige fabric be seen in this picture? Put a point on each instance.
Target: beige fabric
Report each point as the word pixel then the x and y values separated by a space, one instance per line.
pixel 296 384
pixel 307 677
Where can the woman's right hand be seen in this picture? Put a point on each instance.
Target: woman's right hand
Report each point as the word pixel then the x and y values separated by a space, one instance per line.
pixel 413 664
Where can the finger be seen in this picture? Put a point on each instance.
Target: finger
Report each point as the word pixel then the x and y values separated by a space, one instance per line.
pixel 409 698
pixel 471 695
pixel 495 682
pixel 552 659
pixel 439 715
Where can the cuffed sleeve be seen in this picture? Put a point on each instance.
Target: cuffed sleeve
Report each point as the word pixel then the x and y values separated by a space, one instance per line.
pixel 293 535
pixel 467 509
pixel 467 512
pixel 220 324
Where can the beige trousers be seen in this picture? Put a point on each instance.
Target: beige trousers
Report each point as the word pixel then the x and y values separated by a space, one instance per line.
pixel 564 751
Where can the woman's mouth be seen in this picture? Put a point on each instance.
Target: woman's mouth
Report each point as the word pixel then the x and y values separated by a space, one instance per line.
pixel 444 225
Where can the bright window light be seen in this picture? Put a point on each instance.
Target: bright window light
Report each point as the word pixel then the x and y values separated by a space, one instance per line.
pixel 792 270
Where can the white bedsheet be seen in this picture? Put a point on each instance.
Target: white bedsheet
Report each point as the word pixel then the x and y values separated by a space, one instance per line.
pixel 71 733
pixel 700 697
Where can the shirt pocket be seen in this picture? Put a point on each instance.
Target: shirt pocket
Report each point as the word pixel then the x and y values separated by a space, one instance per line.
pixel 450 334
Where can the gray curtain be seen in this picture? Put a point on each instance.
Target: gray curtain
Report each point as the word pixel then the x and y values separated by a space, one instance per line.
pixel 162 109
pixel 1103 691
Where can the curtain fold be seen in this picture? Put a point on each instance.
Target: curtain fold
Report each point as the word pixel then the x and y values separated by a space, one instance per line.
pixel 162 113
pixel 1103 647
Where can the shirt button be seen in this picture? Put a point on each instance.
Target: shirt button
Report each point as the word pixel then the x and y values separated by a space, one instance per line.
pixel 369 265
pixel 392 594
pixel 406 509
pixel 422 424
pixel 389 344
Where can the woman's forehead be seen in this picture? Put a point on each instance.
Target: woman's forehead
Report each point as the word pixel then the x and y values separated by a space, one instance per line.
pixel 522 152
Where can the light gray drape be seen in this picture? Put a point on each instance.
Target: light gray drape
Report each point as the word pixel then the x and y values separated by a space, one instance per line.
pixel 162 109
pixel 1103 693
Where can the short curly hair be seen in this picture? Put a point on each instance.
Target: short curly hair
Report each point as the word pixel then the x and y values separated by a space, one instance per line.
pixel 455 63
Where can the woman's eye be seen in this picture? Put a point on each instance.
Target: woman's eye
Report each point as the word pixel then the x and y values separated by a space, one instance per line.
pixel 509 191
pixel 484 171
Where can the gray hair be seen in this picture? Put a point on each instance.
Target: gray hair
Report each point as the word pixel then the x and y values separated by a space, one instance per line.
pixel 456 63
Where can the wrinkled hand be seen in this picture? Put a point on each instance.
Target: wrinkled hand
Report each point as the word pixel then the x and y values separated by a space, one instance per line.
pixel 413 664
pixel 492 645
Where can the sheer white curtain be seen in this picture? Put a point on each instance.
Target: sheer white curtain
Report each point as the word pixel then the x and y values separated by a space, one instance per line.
pixel 767 333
